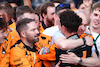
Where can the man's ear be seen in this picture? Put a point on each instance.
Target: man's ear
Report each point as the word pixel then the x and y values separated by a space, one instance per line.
pixel 44 15
pixel 23 33
pixel 63 28
pixel 18 18
pixel 5 15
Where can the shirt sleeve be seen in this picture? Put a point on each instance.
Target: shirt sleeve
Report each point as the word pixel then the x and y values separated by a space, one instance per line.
pixel 93 48
pixel 56 35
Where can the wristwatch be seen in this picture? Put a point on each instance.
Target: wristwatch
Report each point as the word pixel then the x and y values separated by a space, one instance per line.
pixel 80 61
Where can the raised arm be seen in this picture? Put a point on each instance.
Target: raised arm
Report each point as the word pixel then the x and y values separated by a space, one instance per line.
pixel 66 44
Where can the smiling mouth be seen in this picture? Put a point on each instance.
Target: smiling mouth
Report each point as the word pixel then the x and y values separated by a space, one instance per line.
pixel 96 22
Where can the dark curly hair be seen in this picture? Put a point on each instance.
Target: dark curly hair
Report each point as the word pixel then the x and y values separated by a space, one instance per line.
pixel 70 20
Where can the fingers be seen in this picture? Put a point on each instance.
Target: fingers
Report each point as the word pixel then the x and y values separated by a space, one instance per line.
pixel 89 41
pixel 57 20
pixel 69 58
pixel 69 53
pixel 57 65
pixel 87 3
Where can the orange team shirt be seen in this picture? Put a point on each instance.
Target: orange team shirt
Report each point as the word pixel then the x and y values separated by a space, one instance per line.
pixel 4 54
pixel 13 36
pixel 22 56
pixel 43 39
pixel 5 47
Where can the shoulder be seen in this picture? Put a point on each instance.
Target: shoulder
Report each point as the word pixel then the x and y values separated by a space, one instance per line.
pixel 18 47
pixel 57 34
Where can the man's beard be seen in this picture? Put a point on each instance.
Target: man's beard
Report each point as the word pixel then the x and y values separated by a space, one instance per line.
pixel 50 22
pixel 32 40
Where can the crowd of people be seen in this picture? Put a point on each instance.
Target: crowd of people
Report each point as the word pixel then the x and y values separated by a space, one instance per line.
pixel 53 34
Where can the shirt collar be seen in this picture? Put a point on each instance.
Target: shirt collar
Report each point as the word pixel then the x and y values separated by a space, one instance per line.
pixel 31 49
pixel 9 22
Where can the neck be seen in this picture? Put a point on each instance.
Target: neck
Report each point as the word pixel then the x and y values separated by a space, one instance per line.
pixel 45 22
pixel 96 30
pixel 69 34
pixel 27 43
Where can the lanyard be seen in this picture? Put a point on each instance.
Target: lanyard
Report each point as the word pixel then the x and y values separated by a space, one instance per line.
pixel 96 39
pixel 96 46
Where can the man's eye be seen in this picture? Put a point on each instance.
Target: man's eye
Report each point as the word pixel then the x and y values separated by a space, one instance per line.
pixel 83 8
pixel 1 16
pixel 95 14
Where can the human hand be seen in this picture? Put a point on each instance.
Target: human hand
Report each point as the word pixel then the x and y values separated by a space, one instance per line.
pixel 57 65
pixel 89 41
pixel 56 20
pixel 69 58
pixel 87 3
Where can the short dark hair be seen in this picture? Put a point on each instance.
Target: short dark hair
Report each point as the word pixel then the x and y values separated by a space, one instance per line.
pixel 96 5
pixel 3 23
pixel 45 6
pixel 70 20
pixel 7 8
pixel 23 9
pixel 22 24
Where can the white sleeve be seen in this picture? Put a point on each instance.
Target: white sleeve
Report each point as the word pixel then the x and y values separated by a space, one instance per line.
pixel 56 35
pixel 93 49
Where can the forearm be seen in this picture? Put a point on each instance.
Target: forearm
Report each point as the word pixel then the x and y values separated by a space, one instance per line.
pixel 88 11
pixel 91 61
pixel 69 44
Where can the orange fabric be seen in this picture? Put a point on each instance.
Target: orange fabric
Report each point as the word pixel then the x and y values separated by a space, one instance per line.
pixel 41 28
pixel 44 40
pixel 4 54
pixel 47 64
pixel 84 34
pixel 84 54
pixel 81 36
pixel 13 25
pixel 49 56
pixel 14 37
pixel 5 48
pixel 12 28
pixel 74 9
pixel 19 58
